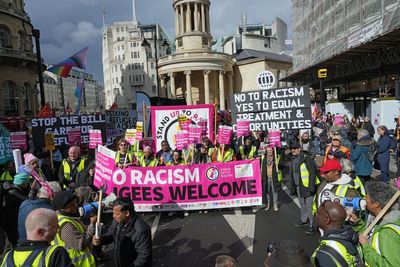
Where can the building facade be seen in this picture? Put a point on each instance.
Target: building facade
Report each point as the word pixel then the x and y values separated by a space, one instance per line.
pixel 18 63
pixel 130 53
pixel 92 96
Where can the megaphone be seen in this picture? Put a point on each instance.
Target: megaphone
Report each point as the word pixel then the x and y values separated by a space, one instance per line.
pixel 90 208
pixel 355 203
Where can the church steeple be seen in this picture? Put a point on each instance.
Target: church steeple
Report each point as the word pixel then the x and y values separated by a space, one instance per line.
pixel 134 12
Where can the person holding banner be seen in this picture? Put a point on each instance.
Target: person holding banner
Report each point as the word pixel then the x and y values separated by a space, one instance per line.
pixel 248 150
pixel 123 157
pixel 165 154
pixel 223 153
pixel 33 162
pixel 176 159
pixel 188 154
pixel 148 159
pixel 381 246
pixel 272 177
pixel 71 167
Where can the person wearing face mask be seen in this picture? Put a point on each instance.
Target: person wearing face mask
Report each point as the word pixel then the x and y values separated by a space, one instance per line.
pixel 41 227
pixel 71 167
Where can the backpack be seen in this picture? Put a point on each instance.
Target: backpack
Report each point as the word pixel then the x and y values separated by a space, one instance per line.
pixel 373 151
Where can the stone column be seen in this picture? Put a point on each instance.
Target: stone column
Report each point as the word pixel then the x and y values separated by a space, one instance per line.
pixel 177 30
pixel 196 17
pixel 172 80
pixel 206 87
pixel 162 86
pixel 21 100
pixel 203 19
pixel 230 88
pixel 188 88
pixel 182 21
pixel 221 90
pixel 208 19
pixel 188 18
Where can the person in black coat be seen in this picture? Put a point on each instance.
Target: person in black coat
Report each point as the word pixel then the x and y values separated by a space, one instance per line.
pixel 383 157
pixel 130 234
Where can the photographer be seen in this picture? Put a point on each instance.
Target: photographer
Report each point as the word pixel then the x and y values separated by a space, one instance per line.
pixel 339 242
pixel 382 245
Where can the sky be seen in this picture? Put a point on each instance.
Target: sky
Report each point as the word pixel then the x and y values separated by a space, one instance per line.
pixel 68 26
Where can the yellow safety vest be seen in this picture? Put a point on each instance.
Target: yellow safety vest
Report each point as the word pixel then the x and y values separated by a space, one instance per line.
pixel 142 162
pixel 118 155
pixel 19 257
pixel 83 257
pixel 280 173
pixel 67 169
pixel 228 156
pixel 6 176
pixel 339 248
pixel 375 236
pixel 305 175
pixel 251 154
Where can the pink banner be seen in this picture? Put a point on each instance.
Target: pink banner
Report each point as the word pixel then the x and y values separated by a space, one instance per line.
pixel 242 128
pixel 74 136
pixel 195 134
pixel 194 187
pixel 274 139
pixel 203 125
pixel 224 134
pixel 139 130
pixel 95 139
pixel 165 123
pixel 181 139
pixel 18 140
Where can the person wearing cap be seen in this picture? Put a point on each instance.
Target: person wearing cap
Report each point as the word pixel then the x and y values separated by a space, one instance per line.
pixel 13 197
pixel 360 155
pixel 287 253
pixel 41 225
pixel 71 167
pixel 303 183
pixel 72 234
pixel 336 149
pixel 337 182
pixel 380 248
pixel 148 159
pixel 338 245
pixel 130 234
pixel 123 157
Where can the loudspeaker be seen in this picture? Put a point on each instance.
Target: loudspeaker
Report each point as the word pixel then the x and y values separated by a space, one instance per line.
pixel 397 90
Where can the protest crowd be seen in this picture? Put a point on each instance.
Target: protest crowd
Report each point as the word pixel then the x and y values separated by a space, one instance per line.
pixel 337 170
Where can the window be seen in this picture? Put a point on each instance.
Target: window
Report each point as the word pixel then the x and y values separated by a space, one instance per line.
pixel 122 29
pixel 118 48
pixel 152 65
pixel 123 57
pixel 153 77
pixel 117 29
pixel 154 88
pixel 5 36
pixel 150 55
pixel 142 66
pixel 134 44
pixel 119 57
pixel 27 90
pixel 130 78
pixel 10 96
pixel 21 41
pixel 120 67
pixel 122 79
pixel 116 79
pixel 131 54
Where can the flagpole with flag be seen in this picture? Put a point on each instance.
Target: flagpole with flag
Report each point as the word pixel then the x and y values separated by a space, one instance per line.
pixel 63 69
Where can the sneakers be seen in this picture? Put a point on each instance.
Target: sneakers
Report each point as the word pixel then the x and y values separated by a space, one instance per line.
pixel 276 207
pixel 186 213
pixel 301 224
pixel 267 207
pixel 310 231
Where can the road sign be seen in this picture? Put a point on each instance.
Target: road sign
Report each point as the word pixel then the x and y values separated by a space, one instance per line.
pixel 322 73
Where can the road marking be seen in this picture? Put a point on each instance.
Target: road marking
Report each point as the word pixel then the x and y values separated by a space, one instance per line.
pixel 295 199
pixel 244 227
pixel 155 225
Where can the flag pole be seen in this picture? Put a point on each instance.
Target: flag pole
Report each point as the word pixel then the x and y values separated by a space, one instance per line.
pixel 144 119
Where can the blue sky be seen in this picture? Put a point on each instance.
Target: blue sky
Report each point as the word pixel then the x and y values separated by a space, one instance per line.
pixel 68 26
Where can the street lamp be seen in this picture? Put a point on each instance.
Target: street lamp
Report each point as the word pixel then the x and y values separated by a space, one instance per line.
pixel 146 45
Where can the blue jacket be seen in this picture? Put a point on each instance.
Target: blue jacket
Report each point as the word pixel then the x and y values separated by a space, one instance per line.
pixel 359 156
pixel 384 154
pixel 26 207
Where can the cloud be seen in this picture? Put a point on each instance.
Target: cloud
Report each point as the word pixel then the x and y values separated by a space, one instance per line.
pixel 85 33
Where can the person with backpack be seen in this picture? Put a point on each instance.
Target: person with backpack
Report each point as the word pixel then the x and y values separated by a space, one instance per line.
pixel 383 157
pixel 363 155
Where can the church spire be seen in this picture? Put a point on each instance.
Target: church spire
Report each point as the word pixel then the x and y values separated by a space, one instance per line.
pixel 134 12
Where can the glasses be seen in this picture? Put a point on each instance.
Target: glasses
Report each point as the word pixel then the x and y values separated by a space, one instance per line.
pixel 122 145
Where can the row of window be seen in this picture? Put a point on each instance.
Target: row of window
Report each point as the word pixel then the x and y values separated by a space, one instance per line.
pixel 132 78
pixel 122 47
pixel 23 42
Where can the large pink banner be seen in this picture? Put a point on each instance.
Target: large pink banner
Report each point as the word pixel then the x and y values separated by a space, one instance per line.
pixel 205 186
pixel 95 139
pixel 165 122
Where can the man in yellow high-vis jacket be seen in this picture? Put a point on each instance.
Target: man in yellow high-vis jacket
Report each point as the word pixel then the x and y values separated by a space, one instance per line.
pixel 71 167
pixel 41 226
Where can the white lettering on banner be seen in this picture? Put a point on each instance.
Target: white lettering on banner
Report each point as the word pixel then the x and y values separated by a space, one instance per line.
pixel 177 176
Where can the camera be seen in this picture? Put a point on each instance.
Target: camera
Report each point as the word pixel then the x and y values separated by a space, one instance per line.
pixel 270 247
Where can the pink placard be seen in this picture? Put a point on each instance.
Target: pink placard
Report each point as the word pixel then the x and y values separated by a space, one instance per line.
pixel 18 140
pixel 203 125
pixel 195 134
pixel 95 139
pixel 139 130
pixel 130 136
pixel 274 138
pixel 74 136
pixel 181 139
pixel 224 134
pixel 242 128
pixel 203 186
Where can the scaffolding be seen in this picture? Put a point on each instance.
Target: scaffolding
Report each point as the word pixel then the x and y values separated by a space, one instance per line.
pixel 325 28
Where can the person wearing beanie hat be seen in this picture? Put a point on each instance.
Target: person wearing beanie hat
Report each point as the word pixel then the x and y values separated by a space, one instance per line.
pixel 72 235
pixel 148 159
pixel 71 167
pixel 32 162
pixel 336 149
pixel 364 154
